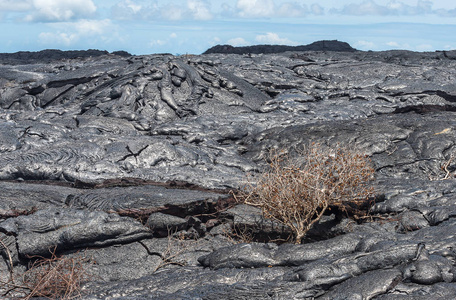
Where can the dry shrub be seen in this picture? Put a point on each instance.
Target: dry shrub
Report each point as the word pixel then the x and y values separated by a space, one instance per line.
pixel 297 192
pixel 178 244
pixel 237 235
pixel 56 277
pixel 176 247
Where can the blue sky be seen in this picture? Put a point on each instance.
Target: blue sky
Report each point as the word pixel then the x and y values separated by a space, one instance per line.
pixel 192 26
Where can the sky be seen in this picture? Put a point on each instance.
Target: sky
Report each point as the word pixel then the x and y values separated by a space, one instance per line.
pixel 193 26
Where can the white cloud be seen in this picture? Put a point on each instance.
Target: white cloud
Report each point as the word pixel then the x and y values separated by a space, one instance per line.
pixel 394 7
pixel 317 9
pixel 172 12
pixel 365 45
pixel 396 45
pixel 58 38
pixel 126 10
pixel 273 38
pixel 163 41
pixel 76 31
pixel 227 10
pixel 365 8
pixel 255 8
pixel 237 42
pixel 215 40
pixel 92 27
pixel 155 43
pixel 424 47
pixel 393 44
pixel 60 10
pixel 199 10
pixel 135 8
pixel 446 12
pixel 269 9
pixel 422 7
pixel 290 10
pixel 14 5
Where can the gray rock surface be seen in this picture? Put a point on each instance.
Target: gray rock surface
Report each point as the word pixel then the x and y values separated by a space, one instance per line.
pixel 128 161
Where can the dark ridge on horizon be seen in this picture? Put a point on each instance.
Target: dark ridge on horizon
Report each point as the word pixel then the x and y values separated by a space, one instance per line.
pixel 324 45
pixel 49 55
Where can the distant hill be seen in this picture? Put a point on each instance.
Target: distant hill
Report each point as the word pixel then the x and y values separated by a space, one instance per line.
pixel 258 49
pixel 53 54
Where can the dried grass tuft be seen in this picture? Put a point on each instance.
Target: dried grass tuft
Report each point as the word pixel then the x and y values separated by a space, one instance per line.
pixel 56 277
pixel 297 192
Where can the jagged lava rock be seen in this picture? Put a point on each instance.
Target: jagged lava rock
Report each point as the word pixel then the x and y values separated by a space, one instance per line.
pixel 97 150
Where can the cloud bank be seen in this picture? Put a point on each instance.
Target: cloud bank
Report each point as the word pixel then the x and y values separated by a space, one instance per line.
pixel 60 10
pixel 132 24
pixel 396 8
pixel 273 38
pixel 204 10
pixel 73 32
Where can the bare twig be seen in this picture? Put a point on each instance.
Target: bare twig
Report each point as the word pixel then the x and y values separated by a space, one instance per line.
pixel 10 260
pixel 175 247
pixel 446 165
pixel 238 235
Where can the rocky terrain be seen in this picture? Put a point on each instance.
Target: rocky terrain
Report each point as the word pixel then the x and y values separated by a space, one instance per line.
pixel 129 160
pixel 268 49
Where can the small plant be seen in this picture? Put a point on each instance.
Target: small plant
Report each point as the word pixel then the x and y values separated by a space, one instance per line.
pixel 175 247
pixel 238 235
pixel 448 167
pixel 56 277
pixel 297 192
pixel 53 278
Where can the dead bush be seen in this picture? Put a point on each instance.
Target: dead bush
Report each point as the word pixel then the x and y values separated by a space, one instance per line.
pixel 297 192
pixel 239 235
pixel 56 277
pixel 177 245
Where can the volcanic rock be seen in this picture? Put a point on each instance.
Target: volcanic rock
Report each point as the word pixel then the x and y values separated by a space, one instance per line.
pixel 267 49
pixel 128 162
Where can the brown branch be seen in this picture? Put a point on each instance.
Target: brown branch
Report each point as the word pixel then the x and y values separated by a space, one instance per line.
pixel 8 253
